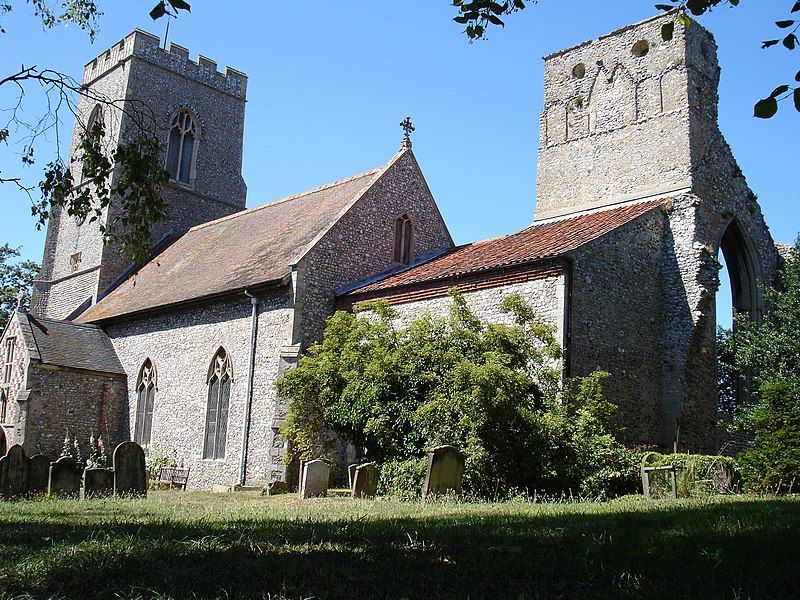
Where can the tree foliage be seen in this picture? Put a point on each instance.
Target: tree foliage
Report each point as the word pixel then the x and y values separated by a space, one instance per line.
pixel 490 389
pixel 769 355
pixel 14 276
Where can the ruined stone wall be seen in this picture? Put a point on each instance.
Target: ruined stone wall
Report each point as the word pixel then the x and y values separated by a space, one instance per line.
pixel 615 123
pixel 361 244
pixel 181 343
pixel 617 320
pixel 72 402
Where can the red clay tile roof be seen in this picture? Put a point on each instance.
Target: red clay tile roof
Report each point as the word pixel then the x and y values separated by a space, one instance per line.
pixel 537 242
pixel 249 248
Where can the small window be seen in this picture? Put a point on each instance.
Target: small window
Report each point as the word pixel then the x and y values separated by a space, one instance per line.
pixel 8 362
pixel 403 240
pixel 145 400
pixel 3 406
pixel 182 147
pixel 640 48
pixel 75 262
pixel 219 397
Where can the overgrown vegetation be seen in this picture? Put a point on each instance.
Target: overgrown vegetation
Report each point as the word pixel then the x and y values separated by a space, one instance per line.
pixel 768 356
pixel 202 545
pixel 490 389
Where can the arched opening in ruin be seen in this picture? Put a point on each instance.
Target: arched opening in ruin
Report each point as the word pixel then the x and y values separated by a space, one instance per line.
pixel 738 294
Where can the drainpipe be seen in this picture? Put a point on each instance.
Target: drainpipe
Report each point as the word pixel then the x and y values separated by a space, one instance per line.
pixel 249 394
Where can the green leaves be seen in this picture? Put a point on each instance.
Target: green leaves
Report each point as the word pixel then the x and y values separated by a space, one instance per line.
pixel 766 108
pixel 478 15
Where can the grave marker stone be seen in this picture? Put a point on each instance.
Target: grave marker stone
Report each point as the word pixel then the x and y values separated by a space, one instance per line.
pixel 351 474
pixel 445 472
pixel 315 479
pixel 40 474
pixel 65 478
pixel 130 472
pixel 98 482
pixel 16 470
pixel 365 481
pixel 278 487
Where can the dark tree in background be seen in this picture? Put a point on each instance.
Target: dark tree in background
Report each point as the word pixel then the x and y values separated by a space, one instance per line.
pixel 14 276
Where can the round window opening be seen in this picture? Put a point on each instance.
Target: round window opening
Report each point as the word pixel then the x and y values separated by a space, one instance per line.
pixel 579 70
pixel 640 48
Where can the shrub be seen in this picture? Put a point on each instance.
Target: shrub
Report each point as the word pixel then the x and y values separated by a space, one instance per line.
pixel 697 474
pixel 490 389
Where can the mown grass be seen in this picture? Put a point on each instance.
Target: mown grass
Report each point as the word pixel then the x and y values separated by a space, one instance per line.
pixel 179 545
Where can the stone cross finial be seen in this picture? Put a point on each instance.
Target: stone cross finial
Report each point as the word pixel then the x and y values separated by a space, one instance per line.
pixel 407 129
pixel 20 298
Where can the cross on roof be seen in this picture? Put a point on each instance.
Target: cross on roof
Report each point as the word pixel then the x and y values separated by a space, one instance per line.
pixel 407 127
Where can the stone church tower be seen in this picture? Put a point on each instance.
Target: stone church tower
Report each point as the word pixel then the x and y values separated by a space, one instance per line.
pixel 197 113
pixel 630 118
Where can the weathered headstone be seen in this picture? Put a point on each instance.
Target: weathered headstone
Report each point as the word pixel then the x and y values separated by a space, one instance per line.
pixel 365 481
pixel 65 478
pixel 98 482
pixel 16 473
pixel 351 474
pixel 130 472
pixel 40 474
pixel 315 479
pixel 445 472
pixel 278 487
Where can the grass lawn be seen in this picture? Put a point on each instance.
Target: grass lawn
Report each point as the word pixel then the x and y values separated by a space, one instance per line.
pixel 178 545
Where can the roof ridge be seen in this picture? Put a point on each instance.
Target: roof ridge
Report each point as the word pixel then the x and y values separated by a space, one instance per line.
pixel 59 321
pixel 285 199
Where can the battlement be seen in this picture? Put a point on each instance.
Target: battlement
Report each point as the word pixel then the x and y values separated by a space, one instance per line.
pixel 148 47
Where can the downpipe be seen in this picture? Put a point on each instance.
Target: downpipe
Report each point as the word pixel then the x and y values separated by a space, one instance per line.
pixel 249 394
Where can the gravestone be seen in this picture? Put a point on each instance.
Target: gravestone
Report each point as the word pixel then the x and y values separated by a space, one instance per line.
pixel 65 478
pixel 278 487
pixel 315 479
pixel 16 470
pixel 365 481
pixel 130 472
pixel 445 472
pixel 98 482
pixel 351 474
pixel 40 474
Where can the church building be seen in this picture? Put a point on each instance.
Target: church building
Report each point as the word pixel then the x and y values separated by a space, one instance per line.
pixel 638 193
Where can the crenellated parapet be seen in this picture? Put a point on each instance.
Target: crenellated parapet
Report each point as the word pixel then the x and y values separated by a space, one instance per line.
pixel 148 47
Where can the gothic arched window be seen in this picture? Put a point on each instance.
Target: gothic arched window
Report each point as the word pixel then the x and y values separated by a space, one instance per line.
pixel 145 399
pixel 95 129
pixel 403 234
pixel 184 133
pixel 219 396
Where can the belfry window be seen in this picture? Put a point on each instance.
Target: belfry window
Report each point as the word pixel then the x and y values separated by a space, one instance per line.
pixel 219 396
pixel 95 129
pixel 182 147
pixel 403 239
pixel 145 400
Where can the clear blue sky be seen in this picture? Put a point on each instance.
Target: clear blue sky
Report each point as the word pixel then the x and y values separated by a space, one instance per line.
pixel 329 81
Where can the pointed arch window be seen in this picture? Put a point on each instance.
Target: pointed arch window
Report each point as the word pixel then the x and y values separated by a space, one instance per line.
pixel 219 395
pixel 403 239
pixel 184 134
pixel 145 400
pixel 95 129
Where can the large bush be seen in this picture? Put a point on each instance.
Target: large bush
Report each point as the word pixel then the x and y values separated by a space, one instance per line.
pixel 767 357
pixel 491 390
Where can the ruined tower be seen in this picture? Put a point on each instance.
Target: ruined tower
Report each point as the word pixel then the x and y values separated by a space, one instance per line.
pixel 198 115
pixel 630 117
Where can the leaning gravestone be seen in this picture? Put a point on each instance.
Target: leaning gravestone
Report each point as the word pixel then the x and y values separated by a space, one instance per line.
pixel 65 478
pixel 40 474
pixel 130 472
pixel 98 482
pixel 16 473
pixel 445 471
pixel 365 481
pixel 315 479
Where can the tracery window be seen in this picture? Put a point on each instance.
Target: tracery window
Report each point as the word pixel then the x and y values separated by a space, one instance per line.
pixel 182 147
pixel 219 396
pixel 8 370
pixel 403 238
pixel 145 401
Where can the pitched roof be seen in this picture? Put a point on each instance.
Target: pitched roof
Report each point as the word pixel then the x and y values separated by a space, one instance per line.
pixel 538 242
pixel 246 249
pixel 66 344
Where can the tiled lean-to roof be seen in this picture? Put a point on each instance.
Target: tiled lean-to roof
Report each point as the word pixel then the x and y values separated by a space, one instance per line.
pixel 66 344
pixel 538 243
pixel 250 248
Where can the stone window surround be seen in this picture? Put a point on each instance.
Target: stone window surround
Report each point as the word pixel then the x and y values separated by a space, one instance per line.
pixel 147 380
pixel 196 132
pixel 404 239
pixel 223 373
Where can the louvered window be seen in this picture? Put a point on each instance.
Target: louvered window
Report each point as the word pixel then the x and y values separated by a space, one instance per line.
pixel 181 147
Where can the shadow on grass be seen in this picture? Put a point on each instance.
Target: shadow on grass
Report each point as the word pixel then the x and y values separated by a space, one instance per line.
pixel 736 549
